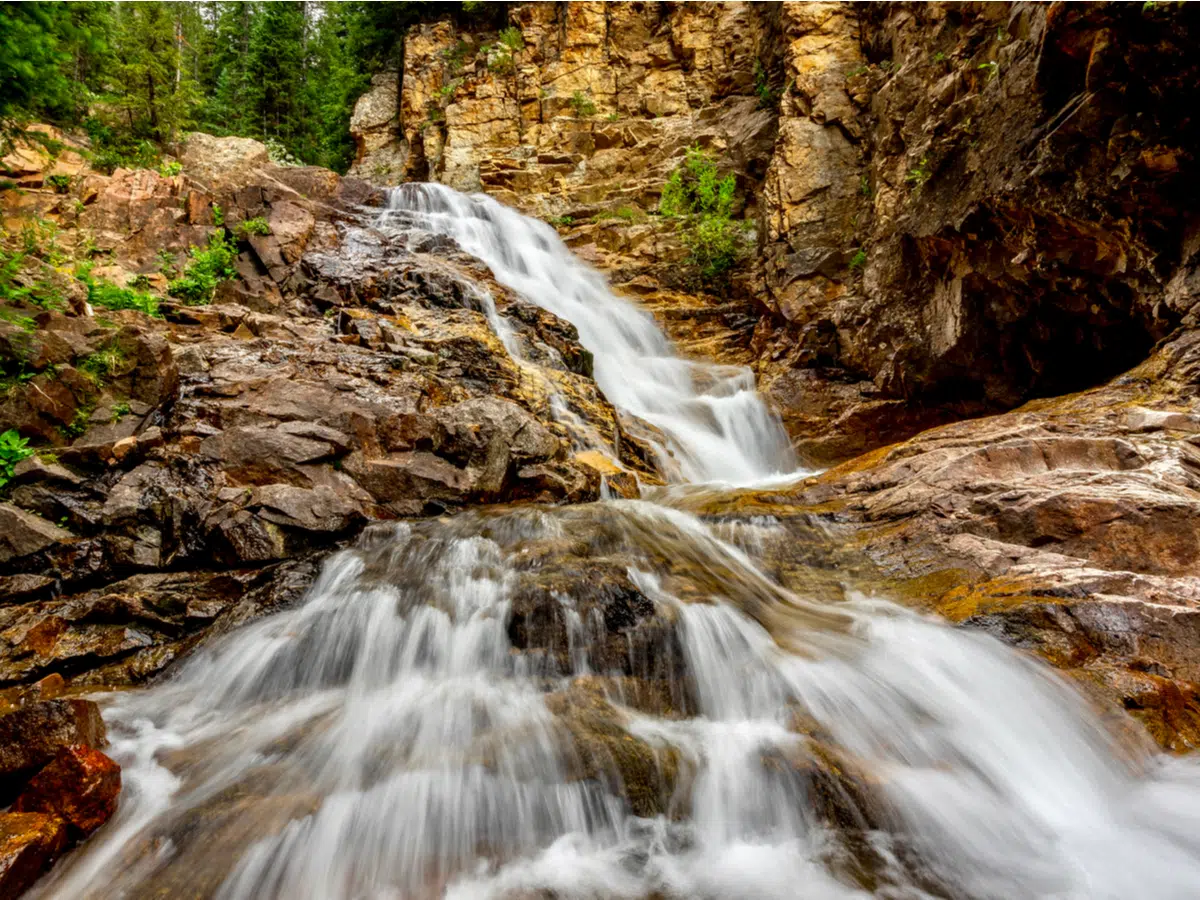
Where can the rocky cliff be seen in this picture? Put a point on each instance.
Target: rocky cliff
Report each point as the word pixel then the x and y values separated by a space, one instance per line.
pixel 956 207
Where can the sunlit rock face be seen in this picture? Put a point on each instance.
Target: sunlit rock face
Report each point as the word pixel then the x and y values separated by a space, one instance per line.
pixel 952 211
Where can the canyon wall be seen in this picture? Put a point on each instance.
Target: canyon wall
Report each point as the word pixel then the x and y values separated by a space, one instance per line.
pixel 955 207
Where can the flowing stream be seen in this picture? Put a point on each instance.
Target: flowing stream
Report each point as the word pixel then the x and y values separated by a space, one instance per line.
pixel 408 733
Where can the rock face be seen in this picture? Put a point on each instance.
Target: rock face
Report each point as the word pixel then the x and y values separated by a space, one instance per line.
pixel 1069 527
pixel 953 211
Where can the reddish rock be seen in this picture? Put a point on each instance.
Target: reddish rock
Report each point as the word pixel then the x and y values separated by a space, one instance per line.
pixel 31 737
pixel 80 787
pixel 29 844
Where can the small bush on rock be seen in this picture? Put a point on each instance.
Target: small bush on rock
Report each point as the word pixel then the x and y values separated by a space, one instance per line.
pixel 702 201
pixel 208 267
pixel 13 449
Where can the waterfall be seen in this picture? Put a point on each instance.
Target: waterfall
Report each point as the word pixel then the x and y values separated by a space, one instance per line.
pixel 716 426
pixel 396 735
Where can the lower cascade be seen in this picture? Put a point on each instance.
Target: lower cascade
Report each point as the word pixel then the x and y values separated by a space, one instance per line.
pixel 620 700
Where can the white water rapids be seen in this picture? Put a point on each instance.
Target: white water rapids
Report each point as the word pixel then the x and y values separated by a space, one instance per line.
pixel 387 738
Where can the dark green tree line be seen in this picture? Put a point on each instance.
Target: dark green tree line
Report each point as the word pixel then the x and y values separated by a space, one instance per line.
pixel 139 74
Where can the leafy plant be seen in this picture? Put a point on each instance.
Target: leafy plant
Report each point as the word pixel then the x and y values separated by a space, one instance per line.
pixel 258 225
pixel 109 296
pixel 561 221
pixel 702 201
pixel 120 410
pixel 920 173
pixel 13 449
pixel 218 215
pixel 993 69
pixel 582 104
pixel 768 96
pixel 170 169
pixel 624 213
pixel 939 57
pixel 101 365
pixel 60 183
pixel 208 267
pixel 512 39
pixel 279 154
pixel 859 259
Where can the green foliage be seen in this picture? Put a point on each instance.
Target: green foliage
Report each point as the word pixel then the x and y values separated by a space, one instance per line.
pixel 939 57
pixel 702 201
pixel 768 96
pixel 625 214
pixel 13 449
pixel 512 39
pixel 582 104
pixel 993 69
pixel 920 173
pixel 79 423
pixel 864 186
pixel 107 295
pixel 207 268
pixel 257 225
pixel 60 183
pixel 562 221
pixel 280 155
pixel 12 317
pixel 120 410
pixel 114 149
pixel 218 215
pixel 102 365
pixel 859 259
pixel 170 169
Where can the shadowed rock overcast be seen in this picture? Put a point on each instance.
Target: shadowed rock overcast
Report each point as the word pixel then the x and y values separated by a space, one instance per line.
pixel 697 450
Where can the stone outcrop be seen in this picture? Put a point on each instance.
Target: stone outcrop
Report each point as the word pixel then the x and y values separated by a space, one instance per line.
pixel 953 211
pixel 193 466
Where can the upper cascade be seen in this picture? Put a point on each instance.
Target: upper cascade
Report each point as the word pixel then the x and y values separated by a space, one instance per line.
pixel 715 426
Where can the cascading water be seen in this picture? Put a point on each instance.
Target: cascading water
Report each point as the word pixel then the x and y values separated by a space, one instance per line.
pixel 396 736
pixel 716 426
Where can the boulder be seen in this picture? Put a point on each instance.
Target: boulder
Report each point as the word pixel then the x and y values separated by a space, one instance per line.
pixel 29 845
pixel 226 162
pixel 23 534
pixel 80 786
pixel 31 736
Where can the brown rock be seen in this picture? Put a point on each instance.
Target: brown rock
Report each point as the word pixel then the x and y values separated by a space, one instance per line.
pixel 29 845
pixel 31 736
pixel 23 534
pixel 80 787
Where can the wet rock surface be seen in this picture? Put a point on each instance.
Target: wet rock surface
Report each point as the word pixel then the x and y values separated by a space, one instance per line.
pixel 345 375
pixel 1066 527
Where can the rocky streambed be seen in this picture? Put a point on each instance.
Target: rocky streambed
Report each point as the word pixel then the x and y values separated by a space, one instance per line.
pixel 363 531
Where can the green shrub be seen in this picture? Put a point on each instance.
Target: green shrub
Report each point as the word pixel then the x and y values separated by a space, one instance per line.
pixel 13 449
pixel 170 169
pixel 920 173
pixel 702 201
pixel 582 104
pixel 101 365
pixel 258 225
pixel 60 183
pixel 218 215
pixel 107 295
pixel 114 149
pixel 512 39
pixel 562 221
pixel 859 259
pixel 120 410
pixel 208 267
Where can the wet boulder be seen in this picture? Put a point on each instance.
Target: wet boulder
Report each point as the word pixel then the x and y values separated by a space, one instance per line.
pixel 80 786
pixel 30 737
pixel 29 845
pixel 23 534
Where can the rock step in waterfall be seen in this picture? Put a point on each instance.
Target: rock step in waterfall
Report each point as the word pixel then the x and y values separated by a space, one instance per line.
pixel 595 702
